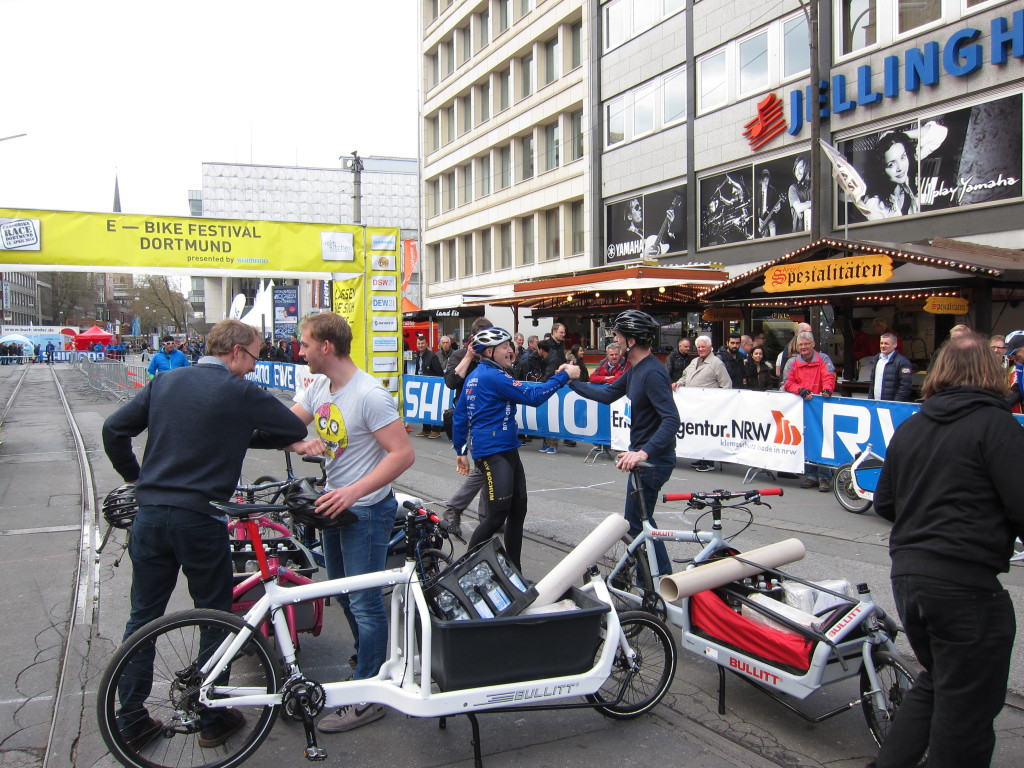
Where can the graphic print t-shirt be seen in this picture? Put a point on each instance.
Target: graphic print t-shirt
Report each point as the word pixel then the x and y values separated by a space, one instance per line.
pixel 346 420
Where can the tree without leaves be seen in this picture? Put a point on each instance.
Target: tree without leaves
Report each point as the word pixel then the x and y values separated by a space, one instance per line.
pixel 72 290
pixel 164 300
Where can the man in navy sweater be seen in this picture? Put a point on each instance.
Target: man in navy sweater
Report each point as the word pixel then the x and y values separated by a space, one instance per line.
pixel 654 418
pixel 201 420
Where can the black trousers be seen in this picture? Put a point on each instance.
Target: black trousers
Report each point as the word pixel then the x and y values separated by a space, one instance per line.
pixel 963 637
pixel 505 491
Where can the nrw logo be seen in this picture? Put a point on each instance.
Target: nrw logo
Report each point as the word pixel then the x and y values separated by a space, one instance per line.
pixel 785 432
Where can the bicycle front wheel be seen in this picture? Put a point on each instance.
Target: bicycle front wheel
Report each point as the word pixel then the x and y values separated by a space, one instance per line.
pixel 636 686
pixel 895 677
pixel 629 576
pixel 148 704
pixel 846 494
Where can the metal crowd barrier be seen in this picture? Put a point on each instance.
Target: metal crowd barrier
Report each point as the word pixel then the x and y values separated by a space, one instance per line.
pixel 122 380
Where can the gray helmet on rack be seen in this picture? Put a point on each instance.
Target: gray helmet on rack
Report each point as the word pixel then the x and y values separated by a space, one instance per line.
pixel 637 325
pixel 490 337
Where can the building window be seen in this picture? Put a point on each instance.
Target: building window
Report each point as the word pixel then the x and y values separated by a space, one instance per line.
pixel 433 133
pixel 467 255
pixel 551 146
pixel 527 154
pixel 434 249
pixel 645 13
pixel 465 114
pixel 484 98
pixel 552 241
pixel 466 194
pixel 552 65
pixel 712 87
pixel 449 180
pixel 505 158
pixel 615 119
pixel 576 130
pixel 449 123
pixel 505 233
pixel 526 76
pixel 529 244
pixel 485 250
pixel 911 15
pixel 753 63
pixel 452 262
pixel 796 50
pixel 432 10
pixel 645 102
pixel 432 68
pixel 444 51
pixel 858 22
pixel 523 7
pixel 579 244
pixel 674 100
pixel 465 40
pixel 504 89
pixel 503 15
pixel 576 42
pixel 485 175
pixel 485 28
pixel 616 23
pixel 434 196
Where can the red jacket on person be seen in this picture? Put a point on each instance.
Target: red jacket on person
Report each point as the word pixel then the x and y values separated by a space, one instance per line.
pixel 814 376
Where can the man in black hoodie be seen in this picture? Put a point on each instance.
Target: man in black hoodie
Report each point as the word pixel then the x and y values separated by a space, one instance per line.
pixel 951 485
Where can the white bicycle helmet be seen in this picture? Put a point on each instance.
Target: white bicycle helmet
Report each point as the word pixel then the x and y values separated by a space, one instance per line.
pixel 490 337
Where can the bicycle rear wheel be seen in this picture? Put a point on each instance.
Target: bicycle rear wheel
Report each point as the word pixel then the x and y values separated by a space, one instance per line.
pixel 895 677
pixel 164 706
pixel 845 493
pixel 628 576
pixel 645 680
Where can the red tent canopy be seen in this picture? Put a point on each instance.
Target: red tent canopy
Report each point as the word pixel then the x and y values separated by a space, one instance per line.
pixel 88 338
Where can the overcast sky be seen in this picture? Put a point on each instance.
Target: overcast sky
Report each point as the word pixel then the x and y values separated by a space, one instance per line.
pixel 150 90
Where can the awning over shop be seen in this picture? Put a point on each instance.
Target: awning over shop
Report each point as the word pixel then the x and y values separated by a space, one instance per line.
pixel 939 267
pixel 430 315
pixel 606 290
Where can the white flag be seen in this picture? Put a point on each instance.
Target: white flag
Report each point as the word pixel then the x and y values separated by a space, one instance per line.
pixel 846 177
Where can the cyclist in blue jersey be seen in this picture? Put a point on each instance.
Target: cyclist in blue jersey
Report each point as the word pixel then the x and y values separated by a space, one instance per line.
pixel 654 417
pixel 486 414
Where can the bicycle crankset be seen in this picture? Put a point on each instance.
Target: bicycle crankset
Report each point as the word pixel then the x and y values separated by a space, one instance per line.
pixel 302 699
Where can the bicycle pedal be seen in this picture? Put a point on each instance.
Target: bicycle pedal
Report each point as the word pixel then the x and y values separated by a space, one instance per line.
pixel 315 754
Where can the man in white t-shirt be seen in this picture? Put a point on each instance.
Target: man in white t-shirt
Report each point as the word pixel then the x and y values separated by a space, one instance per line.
pixel 358 428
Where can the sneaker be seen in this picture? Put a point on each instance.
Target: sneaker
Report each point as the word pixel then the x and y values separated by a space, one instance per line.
pixel 150 730
pixel 423 433
pixel 808 482
pixel 454 520
pixel 542 449
pixel 433 435
pixel 824 485
pixel 349 717
pixel 552 451
pixel 353 660
pixel 705 466
pixel 226 726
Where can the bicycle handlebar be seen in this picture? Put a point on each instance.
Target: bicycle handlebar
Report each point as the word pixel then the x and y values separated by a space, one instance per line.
pixel 721 495
pixel 431 517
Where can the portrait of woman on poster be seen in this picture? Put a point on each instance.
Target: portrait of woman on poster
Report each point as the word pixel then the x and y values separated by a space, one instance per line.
pixel 891 175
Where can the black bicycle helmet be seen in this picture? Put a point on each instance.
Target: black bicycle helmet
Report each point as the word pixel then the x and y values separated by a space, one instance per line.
pixel 637 325
pixel 490 337
pixel 120 506
pixel 301 502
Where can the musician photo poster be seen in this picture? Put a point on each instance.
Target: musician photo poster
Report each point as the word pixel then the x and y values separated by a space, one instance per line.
pixel 782 196
pixel 726 207
pixel 646 226
pixel 965 157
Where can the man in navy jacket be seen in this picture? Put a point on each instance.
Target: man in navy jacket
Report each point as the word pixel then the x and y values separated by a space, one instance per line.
pixel 891 372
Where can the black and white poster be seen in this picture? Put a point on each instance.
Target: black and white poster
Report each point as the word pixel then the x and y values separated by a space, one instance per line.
pixel 782 196
pixel 646 226
pixel 727 208
pixel 966 157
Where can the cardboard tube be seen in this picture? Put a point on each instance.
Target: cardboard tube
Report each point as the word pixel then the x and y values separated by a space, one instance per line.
pixel 720 572
pixel 570 570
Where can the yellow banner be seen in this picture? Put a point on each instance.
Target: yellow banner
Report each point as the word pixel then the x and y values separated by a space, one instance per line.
pixel 946 305
pixel 116 242
pixel 808 275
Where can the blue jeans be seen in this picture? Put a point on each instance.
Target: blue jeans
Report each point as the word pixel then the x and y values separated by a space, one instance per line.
pixel 963 637
pixel 652 480
pixel 362 547
pixel 163 540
